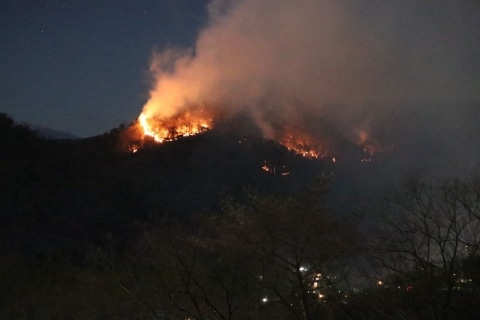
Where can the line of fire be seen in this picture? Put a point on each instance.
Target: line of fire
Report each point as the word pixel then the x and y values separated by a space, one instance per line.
pixel 157 130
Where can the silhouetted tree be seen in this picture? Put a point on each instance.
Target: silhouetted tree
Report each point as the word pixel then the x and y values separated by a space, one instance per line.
pixel 428 234
pixel 300 248
pixel 267 256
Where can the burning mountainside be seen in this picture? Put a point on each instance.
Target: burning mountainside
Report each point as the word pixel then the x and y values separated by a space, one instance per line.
pixel 303 144
pixel 284 81
pixel 183 125
pixel 193 122
pixel 323 78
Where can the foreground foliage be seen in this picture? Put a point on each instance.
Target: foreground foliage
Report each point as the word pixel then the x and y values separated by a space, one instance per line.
pixel 68 250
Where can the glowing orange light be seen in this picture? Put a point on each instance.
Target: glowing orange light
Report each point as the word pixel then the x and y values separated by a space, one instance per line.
pixel 266 167
pixel 167 129
pixel 192 121
pixel 368 145
pixel 303 144
pixel 273 169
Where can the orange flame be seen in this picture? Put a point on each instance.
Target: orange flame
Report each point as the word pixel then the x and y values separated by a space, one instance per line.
pixel 167 129
pixel 303 144
pixel 195 121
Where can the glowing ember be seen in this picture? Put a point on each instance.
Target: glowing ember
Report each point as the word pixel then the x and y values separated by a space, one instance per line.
pixel 285 173
pixel 267 167
pixel 304 145
pixel 167 129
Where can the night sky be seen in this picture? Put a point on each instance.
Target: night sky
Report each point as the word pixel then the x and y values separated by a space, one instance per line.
pixel 82 66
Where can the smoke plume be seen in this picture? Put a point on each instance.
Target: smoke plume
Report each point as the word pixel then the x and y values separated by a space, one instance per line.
pixel 293 63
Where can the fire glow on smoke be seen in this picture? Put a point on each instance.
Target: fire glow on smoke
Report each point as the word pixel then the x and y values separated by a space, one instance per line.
pixel 294 66
pixel 283 69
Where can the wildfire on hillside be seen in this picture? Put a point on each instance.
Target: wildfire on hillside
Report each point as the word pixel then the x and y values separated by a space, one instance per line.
pixel 182 125
pixel 303 144
pixel 193 122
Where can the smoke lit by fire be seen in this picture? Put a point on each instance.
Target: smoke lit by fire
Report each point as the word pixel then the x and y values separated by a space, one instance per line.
pixel 286 64
pixel 368 145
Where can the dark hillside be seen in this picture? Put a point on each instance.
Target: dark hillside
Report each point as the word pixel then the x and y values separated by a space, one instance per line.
pixel 58 193
pixel 90 229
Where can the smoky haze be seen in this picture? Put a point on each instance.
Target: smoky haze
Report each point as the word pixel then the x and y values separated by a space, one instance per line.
pixel 356 64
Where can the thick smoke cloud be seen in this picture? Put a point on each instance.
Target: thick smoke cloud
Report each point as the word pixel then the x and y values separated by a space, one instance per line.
pixel 287 62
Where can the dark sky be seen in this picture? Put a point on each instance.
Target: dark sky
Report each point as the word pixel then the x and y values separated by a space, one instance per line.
pixel 81 65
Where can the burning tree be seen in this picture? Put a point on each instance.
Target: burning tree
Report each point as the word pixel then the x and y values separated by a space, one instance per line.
pixel 181 125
